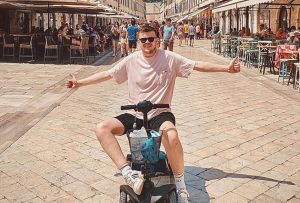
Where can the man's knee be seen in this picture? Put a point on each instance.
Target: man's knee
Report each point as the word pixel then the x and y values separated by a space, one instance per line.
pixel 170 137
pixel 103 129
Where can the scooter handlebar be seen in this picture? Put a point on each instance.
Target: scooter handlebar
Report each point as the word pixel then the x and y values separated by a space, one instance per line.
pixel 156 106
pixel 137 107
pixel 128 107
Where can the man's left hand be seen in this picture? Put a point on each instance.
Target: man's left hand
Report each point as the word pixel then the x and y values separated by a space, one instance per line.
pixel 234 66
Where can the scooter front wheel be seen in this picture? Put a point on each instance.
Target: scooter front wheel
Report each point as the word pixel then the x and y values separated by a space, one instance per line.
pixel 172 196
pixel 123 197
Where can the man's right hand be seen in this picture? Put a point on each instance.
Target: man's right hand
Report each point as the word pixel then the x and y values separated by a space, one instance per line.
pixel 72 83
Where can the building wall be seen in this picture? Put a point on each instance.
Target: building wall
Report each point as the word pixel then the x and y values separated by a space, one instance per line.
pixel 153 12
pixel 293 20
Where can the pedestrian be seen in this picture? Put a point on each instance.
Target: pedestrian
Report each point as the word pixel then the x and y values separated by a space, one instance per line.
pixel 150 75
pixel 168 35
pixel 198 31
pixel 186 32
pixel 124 43
pixel 180 33
pixel 192 32
pixel 132 31
pixel 115 35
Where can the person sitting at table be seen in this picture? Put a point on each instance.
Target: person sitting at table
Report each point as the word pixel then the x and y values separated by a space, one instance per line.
pixel 292 39
pixel 234 33
pixel 242 32
pixel 66 38
pixel 281 34
pixel 78 30
pixel 269 32
pixel 262 31
pixel 247 32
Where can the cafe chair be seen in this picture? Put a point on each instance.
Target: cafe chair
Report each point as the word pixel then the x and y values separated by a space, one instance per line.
pixel 26 49
pixel 8 47
pixel 251 54
pixel 266 56
pixel 51 49
pixel 93 45
pixel 297 78
pixel 80 52
pixel 234 43
pixel 1 43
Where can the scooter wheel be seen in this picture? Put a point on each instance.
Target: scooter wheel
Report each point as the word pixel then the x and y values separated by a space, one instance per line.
pixel 172 196
pixel 123 197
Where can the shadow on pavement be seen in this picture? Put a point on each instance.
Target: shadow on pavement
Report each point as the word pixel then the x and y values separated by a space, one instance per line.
pixel 208 174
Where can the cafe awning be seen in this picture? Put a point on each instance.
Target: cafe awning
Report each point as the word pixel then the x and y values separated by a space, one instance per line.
pixel 192 14
pixel 16 6
pixel 69 6
pixel 234 4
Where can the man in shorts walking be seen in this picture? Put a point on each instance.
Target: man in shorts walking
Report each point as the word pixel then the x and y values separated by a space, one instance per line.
pixel 168 35
pixel 132 31
pixel 150 74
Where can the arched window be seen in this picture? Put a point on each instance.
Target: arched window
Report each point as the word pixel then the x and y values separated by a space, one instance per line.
pixel 283 15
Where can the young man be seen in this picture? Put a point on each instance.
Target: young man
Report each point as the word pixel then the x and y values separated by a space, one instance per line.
pixel 151 75
pixel 132 31
pixel 168 35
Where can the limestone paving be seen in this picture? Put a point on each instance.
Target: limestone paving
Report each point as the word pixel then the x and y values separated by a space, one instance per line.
pixel 240 134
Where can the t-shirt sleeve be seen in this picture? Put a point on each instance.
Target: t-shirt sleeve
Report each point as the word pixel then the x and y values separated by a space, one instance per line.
pixel 119 71
pixel 184 66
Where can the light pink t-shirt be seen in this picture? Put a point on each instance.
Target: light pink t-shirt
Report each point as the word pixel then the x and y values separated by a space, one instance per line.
pixel 151 79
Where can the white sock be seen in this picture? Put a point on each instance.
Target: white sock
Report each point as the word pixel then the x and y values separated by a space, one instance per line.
pixel 179 181
pixel 124 169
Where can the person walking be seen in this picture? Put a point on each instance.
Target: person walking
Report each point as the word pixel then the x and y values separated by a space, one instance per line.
pixel 186 32
pixel 150 74
pixel 180 33
pixel 198 31
pixel 192 32
pixel 168 35
pixel 115 40
pixel 132 31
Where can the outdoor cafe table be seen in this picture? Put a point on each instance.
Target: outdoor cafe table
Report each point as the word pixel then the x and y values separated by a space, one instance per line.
pixel 285 52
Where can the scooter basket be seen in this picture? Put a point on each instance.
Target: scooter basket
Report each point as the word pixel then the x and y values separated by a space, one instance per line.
pixel 144 148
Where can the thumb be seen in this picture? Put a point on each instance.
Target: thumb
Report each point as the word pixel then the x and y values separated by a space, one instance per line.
pixel 235 60
pixel 72 76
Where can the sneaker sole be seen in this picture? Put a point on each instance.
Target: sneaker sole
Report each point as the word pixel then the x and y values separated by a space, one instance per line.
pixel 139 188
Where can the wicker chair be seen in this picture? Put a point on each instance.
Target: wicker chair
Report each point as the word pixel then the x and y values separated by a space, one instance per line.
pixel 51 49
pixel 80 52
pixel 26 46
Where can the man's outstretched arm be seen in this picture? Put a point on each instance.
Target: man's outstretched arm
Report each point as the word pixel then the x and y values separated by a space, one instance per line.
pixel 232 67
pixel 93 79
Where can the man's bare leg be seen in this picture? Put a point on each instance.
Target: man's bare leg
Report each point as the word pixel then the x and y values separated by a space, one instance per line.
pixel 173 147
pixel 106 132
pixel 174 151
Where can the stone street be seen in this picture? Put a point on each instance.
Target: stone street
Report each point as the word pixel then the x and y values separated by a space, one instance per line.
pixel 240 134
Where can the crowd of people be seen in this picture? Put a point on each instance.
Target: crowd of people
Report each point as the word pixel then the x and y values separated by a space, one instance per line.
pixel 289 35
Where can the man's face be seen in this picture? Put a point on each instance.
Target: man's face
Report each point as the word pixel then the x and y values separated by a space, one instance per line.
pixel 77 27
pixel 147 47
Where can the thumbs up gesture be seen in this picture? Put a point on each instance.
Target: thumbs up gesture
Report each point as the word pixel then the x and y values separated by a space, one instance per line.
pixel 72 83
pixel 234 66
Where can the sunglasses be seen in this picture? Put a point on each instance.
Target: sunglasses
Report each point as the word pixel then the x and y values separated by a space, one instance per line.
pixel 150 39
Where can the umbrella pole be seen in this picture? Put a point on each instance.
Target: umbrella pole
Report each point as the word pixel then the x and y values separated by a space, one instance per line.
pixel 48 15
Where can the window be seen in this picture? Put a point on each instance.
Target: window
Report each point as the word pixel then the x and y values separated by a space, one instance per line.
pixel 283 16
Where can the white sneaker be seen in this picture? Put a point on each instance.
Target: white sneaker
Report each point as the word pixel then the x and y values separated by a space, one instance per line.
pixel 183 196
pixel 135 180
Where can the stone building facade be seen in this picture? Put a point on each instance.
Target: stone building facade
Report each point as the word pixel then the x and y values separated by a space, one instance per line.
pixel 24 20
pixel 272 14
